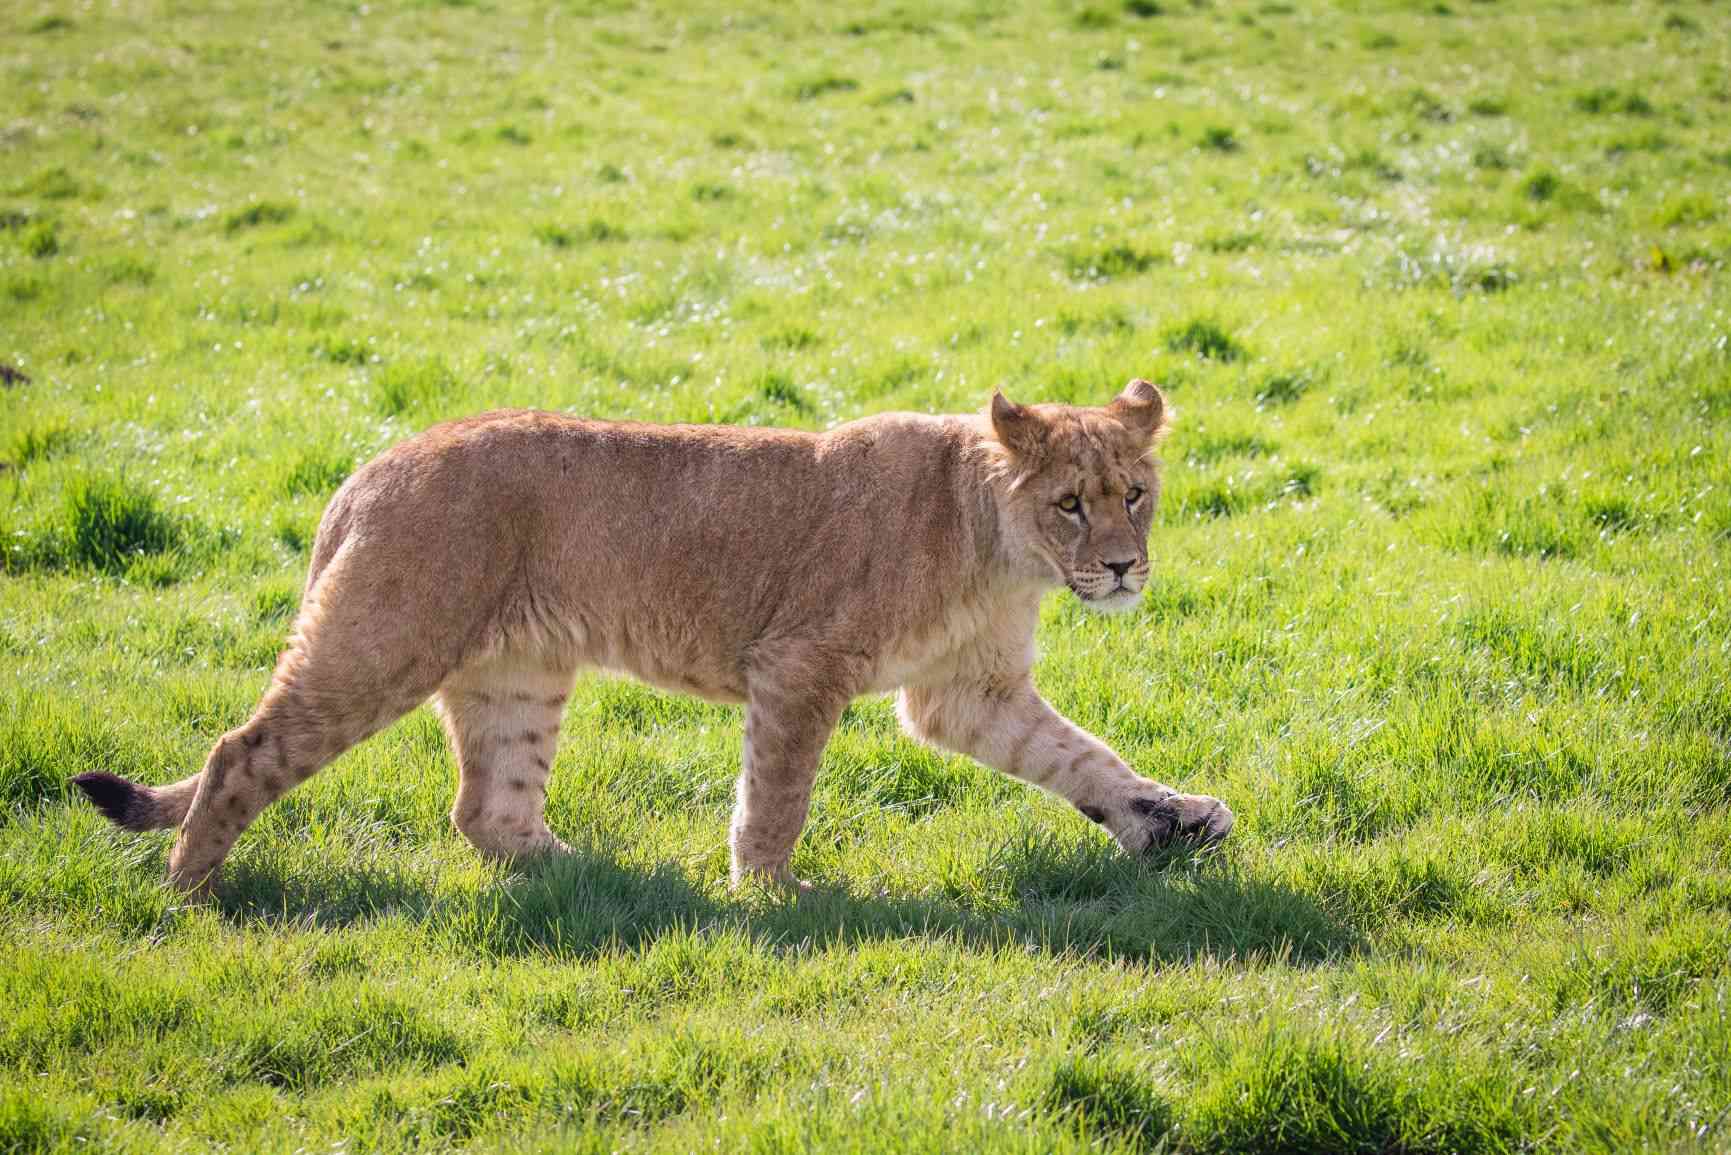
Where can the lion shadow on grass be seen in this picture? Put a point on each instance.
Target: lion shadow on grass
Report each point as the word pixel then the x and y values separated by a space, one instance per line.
pixel 1083 900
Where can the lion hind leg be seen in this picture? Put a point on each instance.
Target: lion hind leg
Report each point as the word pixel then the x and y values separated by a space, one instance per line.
pixel 334 686
pixel 502 717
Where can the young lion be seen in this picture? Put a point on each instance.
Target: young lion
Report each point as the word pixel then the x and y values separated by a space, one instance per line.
pixel 485 561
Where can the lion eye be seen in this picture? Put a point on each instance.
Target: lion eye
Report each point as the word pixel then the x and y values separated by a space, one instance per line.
pixel 1070 503
pixel 1134 495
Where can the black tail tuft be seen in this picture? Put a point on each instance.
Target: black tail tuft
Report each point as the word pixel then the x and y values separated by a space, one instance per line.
pixel 124 804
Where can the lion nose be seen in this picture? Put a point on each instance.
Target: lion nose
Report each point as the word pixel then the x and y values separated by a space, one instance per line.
pixel 1120 567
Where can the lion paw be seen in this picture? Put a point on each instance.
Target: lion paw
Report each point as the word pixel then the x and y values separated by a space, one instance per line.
pixel 1157 822
pixel 777 881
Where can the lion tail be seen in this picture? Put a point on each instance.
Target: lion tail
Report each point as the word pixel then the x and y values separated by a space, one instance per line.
pixel 134 807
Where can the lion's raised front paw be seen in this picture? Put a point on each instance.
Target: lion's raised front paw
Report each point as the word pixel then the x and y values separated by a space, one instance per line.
pixel 1155 823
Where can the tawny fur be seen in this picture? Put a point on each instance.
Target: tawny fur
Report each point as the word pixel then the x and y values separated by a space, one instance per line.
pixel 485 561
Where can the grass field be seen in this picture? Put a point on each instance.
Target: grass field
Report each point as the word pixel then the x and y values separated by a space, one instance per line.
pixel 1442 603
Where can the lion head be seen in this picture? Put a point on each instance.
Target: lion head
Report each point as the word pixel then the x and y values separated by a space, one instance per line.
pixel 1079 487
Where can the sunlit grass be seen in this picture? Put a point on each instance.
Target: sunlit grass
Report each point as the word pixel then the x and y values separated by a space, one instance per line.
pixel 1438 295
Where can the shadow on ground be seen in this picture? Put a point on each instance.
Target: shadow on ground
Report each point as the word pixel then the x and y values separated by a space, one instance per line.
pixel 1086 901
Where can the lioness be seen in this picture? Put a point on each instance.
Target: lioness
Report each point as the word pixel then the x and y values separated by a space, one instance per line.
pixel 486 560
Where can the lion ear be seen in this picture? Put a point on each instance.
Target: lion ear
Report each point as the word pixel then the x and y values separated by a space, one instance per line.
pixel 1017 427
pixel 1141 408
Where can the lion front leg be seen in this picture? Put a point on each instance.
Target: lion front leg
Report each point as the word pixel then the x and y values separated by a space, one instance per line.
pixel 786 727
pixel 1011 728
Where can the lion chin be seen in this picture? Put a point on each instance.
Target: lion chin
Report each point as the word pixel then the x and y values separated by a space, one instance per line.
pixel 1119 601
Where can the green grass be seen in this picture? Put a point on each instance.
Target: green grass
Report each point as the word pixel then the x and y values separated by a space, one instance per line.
pixel 1439 296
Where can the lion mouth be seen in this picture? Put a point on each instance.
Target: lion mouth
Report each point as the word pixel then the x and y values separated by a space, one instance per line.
pixel 1118 598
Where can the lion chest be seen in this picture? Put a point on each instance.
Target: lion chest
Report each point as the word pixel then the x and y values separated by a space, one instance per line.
pixel 986 631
